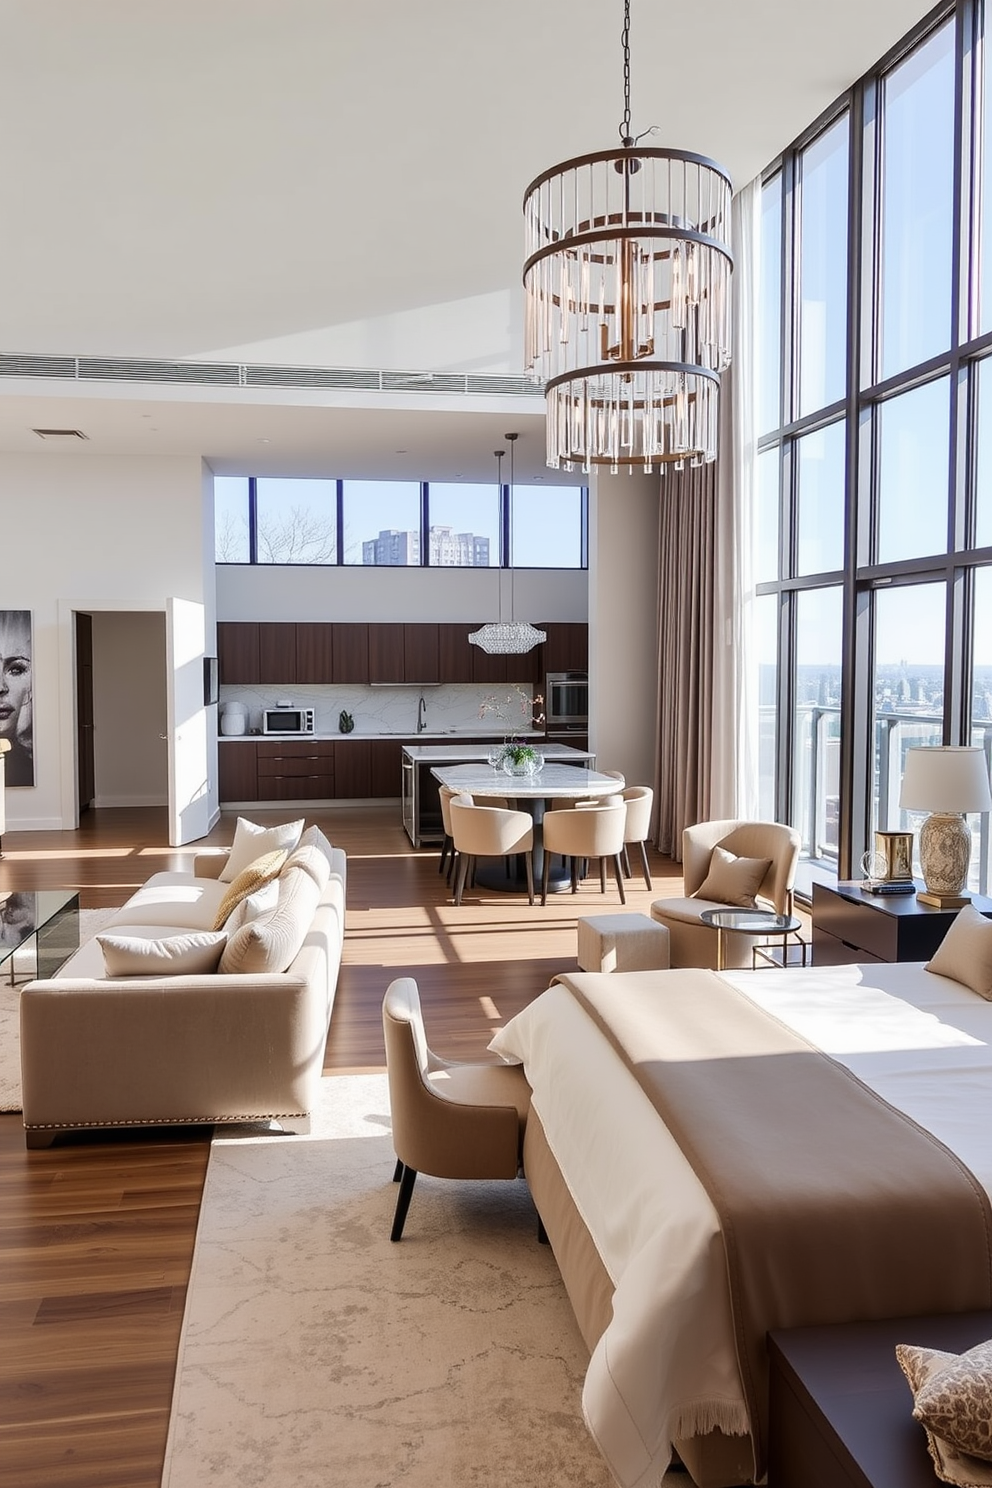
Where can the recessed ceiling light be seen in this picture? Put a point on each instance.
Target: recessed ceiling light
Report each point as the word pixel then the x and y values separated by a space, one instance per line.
pixel 60 434
pixel 263 441
pixel 401 452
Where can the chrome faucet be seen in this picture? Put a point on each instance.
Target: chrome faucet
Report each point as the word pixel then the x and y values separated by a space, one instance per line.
pixel 421 715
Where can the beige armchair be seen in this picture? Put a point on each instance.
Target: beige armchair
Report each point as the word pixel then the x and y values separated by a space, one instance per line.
pixel 694 944
pixel 593 830
pixel 449 1120
pixel 488 832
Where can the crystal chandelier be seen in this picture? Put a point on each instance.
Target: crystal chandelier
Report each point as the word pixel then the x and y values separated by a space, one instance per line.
pixel 627 301
pixel 506 637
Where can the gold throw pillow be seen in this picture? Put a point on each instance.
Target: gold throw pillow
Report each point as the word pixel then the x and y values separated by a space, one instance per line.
pixel 248 880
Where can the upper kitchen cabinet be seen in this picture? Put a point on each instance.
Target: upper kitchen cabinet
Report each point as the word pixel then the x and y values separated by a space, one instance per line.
pixel 314 652
pixel 237 651
pixel 350 644
pixel 420 653
pixel 455 652
pixel 567 647
pixel 277 652
pixel 386 652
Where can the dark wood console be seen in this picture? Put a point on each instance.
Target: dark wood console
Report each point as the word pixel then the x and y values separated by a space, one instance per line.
pixel 850 925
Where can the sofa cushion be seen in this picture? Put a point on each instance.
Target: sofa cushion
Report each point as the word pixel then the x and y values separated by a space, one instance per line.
pixel 251 841
pixel 248 880
pixel 732 880
pixel 310 857
pixel 314 837
pixel 173 899
pixel 271 943
pixel 259 902
pixel 194 953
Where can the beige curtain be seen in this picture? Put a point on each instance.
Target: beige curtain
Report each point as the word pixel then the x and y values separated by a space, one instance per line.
pixel 685 652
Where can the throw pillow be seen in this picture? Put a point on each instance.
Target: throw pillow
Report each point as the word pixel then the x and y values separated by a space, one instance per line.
pixel 965 953
pixel 314 837
pixel 731 880
pixel 251 841
pixel 261 902
pixel 174 955
pixel 310 858
pixel 274 940
pixel 248 880
pixel 951 1400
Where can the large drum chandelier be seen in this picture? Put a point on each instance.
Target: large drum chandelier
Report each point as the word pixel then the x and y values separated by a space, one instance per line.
pixel 627 302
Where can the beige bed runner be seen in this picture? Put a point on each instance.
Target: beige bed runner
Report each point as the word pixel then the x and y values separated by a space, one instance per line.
pixel 834 1206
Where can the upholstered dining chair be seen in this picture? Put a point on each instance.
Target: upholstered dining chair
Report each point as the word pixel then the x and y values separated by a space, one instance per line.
pixel 450 1120
pixel 714 879
pixel 488 832
pixel 592 830
pixel 639 799
pixel 445 794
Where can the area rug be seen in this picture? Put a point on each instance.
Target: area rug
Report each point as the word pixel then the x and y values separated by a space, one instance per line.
pixel 316 1352
pixel 90 921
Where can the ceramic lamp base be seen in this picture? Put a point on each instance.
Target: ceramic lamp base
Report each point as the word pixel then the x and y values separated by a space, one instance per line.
pixel 945 853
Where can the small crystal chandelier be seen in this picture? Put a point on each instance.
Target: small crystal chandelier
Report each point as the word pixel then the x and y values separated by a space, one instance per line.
pixel 627 301
pixel 507 637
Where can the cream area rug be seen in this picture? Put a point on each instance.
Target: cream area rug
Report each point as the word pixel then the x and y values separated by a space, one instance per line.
pixel 315 1352
pixel 90 922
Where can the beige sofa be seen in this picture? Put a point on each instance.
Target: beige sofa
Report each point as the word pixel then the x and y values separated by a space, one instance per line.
pixel 187 1049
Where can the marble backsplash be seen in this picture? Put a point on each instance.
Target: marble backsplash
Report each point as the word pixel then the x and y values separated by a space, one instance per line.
pixel 499 708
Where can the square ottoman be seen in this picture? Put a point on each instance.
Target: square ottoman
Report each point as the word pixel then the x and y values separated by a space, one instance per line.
pixel 622 942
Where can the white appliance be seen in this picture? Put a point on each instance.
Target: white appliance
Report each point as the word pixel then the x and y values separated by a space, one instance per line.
pixel 284 718
pixel 233 719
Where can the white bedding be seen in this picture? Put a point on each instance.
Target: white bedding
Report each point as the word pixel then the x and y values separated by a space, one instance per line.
pixel 665 1367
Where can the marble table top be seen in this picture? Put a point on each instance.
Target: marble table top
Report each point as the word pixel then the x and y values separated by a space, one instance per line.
pixel 555 780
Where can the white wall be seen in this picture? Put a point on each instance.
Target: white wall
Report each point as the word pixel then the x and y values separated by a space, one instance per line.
pixel 129 709
pixel 95 533
pixel 623 625
pixel 357 593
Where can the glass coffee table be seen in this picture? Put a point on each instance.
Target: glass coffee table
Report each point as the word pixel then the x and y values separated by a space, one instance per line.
pixel 49 917
pixel 752 922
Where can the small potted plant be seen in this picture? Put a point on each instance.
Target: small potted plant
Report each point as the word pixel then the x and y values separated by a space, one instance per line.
pixel 521 759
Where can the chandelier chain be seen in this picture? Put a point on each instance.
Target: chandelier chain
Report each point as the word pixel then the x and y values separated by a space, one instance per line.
pixel 625 126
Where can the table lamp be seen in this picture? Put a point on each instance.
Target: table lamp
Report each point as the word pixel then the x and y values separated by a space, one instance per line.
pixel 947 781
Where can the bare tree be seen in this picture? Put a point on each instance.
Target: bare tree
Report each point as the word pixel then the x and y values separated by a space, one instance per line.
pixel 297 535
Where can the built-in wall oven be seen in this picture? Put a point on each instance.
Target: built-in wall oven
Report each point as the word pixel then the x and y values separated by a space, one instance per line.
pixel 566 701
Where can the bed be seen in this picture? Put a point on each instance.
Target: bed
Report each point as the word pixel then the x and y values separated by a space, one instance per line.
pixel 881 1149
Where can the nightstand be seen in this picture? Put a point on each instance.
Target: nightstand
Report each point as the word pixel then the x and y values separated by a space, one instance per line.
pixel 850 925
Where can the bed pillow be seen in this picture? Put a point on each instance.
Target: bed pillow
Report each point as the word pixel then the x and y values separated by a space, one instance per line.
pixel 731 880
pixel 248 881
pixel 951 1395
pixel 965 953
pixel 251 841
pixel 174 955
pixel 262 901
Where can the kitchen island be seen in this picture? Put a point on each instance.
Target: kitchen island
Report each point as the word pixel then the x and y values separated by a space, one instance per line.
pixel 421 806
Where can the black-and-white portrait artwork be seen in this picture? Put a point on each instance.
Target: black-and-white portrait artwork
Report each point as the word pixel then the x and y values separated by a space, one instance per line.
pixel 16 724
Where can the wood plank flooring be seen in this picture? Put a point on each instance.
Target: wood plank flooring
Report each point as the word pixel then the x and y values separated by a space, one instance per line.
pixel 97 1232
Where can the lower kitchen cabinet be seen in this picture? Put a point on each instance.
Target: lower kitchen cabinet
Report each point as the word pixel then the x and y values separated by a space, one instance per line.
pixel 237 770
pixel 352 769
pixel 296 770
pixel 386 764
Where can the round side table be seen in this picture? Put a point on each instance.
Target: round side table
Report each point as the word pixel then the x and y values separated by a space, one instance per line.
pixel 748 922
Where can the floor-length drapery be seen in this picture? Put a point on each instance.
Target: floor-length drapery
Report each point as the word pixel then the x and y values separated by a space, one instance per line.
pixel 706 765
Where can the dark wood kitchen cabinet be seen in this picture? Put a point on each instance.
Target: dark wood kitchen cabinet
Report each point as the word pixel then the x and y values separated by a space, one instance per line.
pixel 352 769
pixel 567 646
pixel 421 653
pixel 455 652
pixel 386 652
pixel 237 770
pixel 276 652
pixel 349 651
pixel 314 651
pixel 237 651
pixel 386 764
pixel 296 770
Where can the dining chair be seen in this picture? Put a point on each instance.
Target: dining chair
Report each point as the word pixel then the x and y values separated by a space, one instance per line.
pixel 639 799
pixel 593 830
pixel 445 794
pixel 450 1120
pixel 488 832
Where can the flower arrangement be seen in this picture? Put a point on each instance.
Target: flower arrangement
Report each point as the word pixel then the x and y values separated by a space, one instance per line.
pixel 519 753
pixel 519 700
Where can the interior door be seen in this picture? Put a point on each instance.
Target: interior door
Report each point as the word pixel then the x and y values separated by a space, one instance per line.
pixel 85 757
pixel 189 807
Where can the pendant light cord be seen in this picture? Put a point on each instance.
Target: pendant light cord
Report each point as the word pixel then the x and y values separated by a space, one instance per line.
pixel 625 133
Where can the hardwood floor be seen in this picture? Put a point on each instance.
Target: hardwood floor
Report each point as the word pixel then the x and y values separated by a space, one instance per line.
pixel 96 1233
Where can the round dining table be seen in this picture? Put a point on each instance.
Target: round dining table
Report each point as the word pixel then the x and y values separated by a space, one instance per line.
pixel 528 793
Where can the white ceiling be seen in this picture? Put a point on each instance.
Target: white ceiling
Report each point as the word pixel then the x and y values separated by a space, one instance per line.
pixel 247 179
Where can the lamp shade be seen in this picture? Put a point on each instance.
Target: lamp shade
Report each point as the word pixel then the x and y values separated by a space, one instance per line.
pixel 947 778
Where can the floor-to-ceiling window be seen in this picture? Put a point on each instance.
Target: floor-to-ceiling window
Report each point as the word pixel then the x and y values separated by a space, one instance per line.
pixel 874 475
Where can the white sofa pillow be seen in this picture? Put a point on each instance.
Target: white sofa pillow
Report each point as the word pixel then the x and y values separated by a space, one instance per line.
pixel 261 902
pixel 176 955
pixel 251 842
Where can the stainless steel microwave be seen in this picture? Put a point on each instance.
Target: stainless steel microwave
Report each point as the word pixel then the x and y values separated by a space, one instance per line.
pixel 566 700
pixel 287 720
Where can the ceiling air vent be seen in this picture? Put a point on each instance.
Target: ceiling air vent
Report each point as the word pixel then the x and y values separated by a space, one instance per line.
pixel 60 434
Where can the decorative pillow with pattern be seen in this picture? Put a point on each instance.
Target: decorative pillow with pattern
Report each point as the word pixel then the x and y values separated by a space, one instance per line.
pixel 251 842
pixel 965 953
pixel 952 1400
pixel 261 902
pixel 273 941
pixel 731 880
pixel 248 881
pixel 173 955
